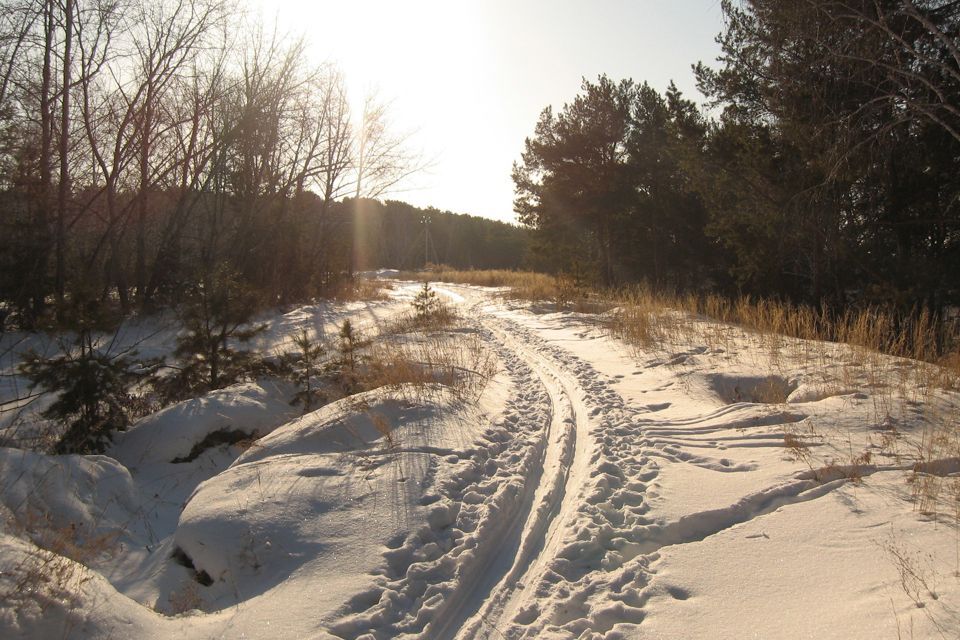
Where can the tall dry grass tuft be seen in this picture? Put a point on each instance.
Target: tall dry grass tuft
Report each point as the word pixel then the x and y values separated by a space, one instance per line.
pixel 358 289
pixel 415 357
pixel 563 290
pixel 913 335
pixel 641 318
pixel 55 568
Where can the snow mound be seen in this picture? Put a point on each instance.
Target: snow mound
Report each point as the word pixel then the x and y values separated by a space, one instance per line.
pixel 816 392
pixel 55 597
pixel 90 495
pixel 253 408
pixel 756 389
pixel 349 424
pixel 299 499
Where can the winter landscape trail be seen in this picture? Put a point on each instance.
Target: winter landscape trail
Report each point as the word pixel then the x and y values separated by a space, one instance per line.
pixel 590 541
pixel 709 486
pixel 562 475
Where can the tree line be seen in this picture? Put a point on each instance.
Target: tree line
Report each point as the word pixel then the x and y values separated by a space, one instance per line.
pixel 397 235
pixel 823 169
pixel 148 148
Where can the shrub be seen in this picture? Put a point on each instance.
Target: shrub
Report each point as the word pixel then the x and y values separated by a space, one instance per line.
pixel 305 367
pixel 93 391
pixel 218 311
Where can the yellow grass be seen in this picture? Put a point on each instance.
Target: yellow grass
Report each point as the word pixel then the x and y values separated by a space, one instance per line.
pixel 527 285
pixel 644 316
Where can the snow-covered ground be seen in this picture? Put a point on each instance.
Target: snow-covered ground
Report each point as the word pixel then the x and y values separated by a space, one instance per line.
pixel 719 484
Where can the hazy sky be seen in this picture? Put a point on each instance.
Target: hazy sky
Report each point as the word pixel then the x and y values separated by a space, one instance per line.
pixel 469 79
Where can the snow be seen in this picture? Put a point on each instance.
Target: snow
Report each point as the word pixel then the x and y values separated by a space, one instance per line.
pixel 719 484
pixel 255 408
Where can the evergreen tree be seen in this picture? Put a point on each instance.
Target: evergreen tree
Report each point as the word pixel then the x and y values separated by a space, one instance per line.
pixel 425 304
pixel 218 312
pixel 306 366
pixel 92 388
pixel 604 185
pixel 835 161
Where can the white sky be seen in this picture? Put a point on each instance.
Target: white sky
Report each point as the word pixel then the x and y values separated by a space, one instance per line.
pixel 470 79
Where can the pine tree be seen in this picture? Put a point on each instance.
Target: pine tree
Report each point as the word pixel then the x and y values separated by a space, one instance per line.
pixel 217 312
pixel 93 391
pixel 306 367
pixel 426 304
pixel 348 361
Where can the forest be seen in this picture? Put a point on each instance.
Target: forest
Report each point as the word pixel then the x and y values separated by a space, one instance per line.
pixel 397 235
pixel 145 147
pixel 151 151
pixel 707 386
pixel 822 169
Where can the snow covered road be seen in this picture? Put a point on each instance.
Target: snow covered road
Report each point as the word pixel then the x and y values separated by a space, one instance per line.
pixel 693 451
pixel 707 487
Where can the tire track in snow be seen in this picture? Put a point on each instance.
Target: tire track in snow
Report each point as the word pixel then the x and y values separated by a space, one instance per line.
pixel 430 576
pixel 605 495
pixel 564 469
pixel 590 572
pixel 562 543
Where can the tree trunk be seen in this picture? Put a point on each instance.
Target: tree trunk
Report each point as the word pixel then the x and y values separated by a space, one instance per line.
pixel 64 186
pixel 143 203
pixel 42 220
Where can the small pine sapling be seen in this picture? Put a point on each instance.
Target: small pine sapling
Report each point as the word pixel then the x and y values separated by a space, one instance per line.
pixel 306 367
pixel 93 390
pixel 346 364
pixel 428 308
pixel 217 312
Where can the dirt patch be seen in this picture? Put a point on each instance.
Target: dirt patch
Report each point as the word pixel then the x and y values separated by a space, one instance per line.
pixel 216 439
pixel 763 390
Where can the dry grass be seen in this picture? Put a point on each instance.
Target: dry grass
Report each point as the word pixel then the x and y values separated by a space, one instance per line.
pixel 771 391
pixel 414 359
pixel 359 289
pixel 936 474
pixel 186 598
pixel 55 569
pixel 797 446
pixel 527 285
pixel 856 344
pixel 563 291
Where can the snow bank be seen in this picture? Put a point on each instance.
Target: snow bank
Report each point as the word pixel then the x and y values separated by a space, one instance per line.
pixel 322 494
pixel 715 485
pixel 254 408
pixel 91 495
pixel 49 596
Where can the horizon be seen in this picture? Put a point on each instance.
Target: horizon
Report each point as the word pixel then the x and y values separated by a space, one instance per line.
pixel 502 65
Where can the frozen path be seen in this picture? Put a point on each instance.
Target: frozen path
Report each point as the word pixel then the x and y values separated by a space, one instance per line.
pixel 496 594
pixel 652 459
pixel 581 495
pixel 718 484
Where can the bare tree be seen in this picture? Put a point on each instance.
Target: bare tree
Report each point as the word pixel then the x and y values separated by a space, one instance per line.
pixel 384 157
pixel 156 136
pixel 913 47
pixel 63 189
pixel 166 37
pixel 333 177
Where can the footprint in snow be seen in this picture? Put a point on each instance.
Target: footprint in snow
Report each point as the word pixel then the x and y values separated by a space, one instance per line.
pixel 678 593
